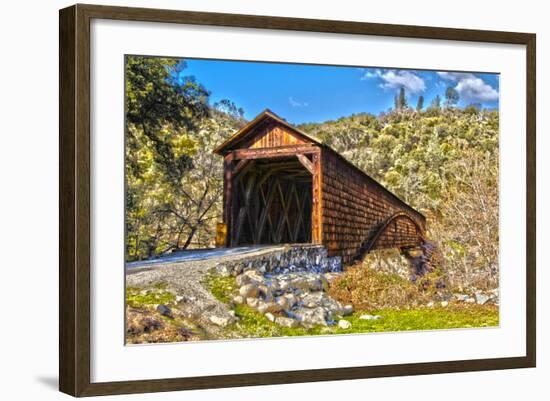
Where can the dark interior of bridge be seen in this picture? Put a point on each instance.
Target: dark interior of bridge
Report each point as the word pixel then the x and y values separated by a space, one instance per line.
pixel 272 203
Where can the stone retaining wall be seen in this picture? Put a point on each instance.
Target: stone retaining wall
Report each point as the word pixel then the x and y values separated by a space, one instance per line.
pixel 287 258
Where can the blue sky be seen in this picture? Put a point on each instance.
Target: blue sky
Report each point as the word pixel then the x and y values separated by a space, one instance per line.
pixel 314 93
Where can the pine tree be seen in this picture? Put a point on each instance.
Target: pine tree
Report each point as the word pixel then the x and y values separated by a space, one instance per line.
pixel 420 103
pixel 402 99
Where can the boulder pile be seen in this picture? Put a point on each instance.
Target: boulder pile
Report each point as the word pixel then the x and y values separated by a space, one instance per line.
pixel 291 299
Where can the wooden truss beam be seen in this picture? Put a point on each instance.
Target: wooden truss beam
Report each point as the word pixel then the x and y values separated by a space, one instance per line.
pixel 306 163
pixel 280 151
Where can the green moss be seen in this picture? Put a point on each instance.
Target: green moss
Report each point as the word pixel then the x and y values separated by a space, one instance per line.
pixel 223 288
pixel 137 297
pixel 252 324
pixel 451 317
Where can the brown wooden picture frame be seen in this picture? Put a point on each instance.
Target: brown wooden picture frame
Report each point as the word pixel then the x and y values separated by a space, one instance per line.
pixel 74 199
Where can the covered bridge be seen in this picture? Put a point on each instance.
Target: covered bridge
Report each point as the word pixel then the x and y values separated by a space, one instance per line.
pixel 284 186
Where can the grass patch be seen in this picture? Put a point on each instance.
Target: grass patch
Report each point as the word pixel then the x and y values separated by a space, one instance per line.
pixel 452 317
pixel 254 325
pixel 223 288
pixel 137 297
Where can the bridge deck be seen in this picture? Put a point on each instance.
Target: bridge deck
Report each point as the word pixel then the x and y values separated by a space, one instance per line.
pixel 213 253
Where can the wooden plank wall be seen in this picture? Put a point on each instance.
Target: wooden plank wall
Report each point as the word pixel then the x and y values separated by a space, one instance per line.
pixel 273 135
pixel 354 207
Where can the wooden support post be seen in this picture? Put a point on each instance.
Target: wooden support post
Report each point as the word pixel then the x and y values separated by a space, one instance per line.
pixel 227 196
pixel 316 210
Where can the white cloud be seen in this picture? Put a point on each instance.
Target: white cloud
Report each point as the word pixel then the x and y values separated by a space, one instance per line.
pixel 295 103
pixel 475 89
pixel 394 79
pixel 370 74
pixel 469 87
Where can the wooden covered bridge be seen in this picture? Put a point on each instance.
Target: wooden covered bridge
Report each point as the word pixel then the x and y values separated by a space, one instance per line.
pixel 284 186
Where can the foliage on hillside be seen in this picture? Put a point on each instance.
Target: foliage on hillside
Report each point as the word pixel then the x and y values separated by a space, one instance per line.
pixel 444 162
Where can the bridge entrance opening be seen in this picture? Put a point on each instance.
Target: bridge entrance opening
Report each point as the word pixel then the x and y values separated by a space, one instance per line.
pixel 272 202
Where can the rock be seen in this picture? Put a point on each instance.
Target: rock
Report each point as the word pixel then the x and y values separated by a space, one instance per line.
pixel 286 322
pixel 461 297
pixel 265 292
pixel 274 285
pixel 283 303
pixel 270 307
pixel 312 317
pixel 300 283
pixel 252 302
pixel 344 324
pixel 223 270
pixel 347 310
pixel 311 300
pixel 284 285
pixel 470 301
pixel 270 317
pixel 221 321
pixel 179 298
pixel 292 300
pixel 238 299
pixel 165 311
pixel 444 304
pixel 249 290
pixel 242 279
pixel 481 299
pixel 370 317
pixel 430 304
pixel 249 276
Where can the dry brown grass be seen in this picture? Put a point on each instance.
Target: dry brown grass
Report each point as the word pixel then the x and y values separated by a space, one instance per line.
pixel 368 289
pixel 144 326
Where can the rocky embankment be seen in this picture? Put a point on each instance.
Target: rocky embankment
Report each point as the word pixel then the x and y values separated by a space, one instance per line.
pixel 287 284
pixel 228 296
pixel 291 290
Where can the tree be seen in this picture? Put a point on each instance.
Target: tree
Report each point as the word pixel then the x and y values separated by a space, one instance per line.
pixel 157 103
pixel 436 102
pixel 451 96
pixel 402 99
pixel 172 182
pixel 420 103
pixel 228 107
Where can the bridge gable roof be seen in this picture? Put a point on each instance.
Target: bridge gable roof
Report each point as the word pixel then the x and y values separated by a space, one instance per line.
pixel 247 135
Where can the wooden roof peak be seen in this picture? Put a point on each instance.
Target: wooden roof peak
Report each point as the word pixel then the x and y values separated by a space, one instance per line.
pixel 267 114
